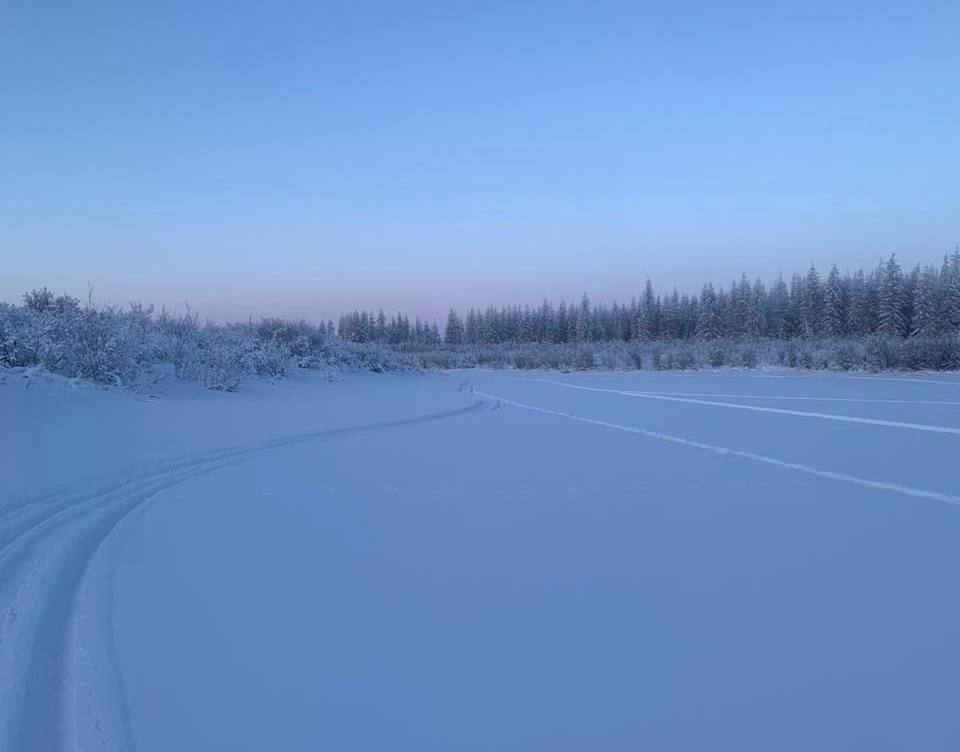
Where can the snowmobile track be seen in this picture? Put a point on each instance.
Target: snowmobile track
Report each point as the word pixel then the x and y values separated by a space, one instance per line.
pixel 47 543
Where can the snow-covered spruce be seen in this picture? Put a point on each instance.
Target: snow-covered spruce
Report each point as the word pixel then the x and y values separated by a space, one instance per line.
pixel 884 319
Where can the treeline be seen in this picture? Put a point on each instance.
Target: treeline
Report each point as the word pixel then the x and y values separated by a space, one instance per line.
pixel 366 326
pixel 885 301
pixel 884 319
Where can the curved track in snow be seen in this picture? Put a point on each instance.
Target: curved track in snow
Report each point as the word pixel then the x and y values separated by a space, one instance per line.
pixel 57 690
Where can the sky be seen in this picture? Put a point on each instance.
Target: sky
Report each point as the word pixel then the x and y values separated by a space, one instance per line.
pixel 304 158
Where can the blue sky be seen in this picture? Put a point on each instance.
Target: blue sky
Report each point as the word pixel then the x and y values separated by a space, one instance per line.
pixel 303 158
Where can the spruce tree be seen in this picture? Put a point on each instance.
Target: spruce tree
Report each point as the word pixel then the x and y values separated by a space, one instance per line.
pixel 891 299
pixel 648 313
pixel 950 292
pixel 811 303
pixel 833 305
pixel 924 319
pixel 708 321
pixel 584 320
pixel 454 331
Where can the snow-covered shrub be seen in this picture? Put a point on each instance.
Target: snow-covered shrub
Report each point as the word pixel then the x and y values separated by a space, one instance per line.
pixel 923 352
pixel 847 355
pixel 839 353
pixel 59 335
pixel 221 358
pixel 716 354
pixel 13 350
pixel 111 346
pixel 881 352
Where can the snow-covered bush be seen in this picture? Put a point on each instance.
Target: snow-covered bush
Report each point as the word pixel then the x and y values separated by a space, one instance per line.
pixel 111 346
pixel 875 352
pixel 220 357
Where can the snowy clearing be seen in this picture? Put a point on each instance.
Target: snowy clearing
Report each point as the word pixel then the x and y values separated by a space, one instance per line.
pixel 482 560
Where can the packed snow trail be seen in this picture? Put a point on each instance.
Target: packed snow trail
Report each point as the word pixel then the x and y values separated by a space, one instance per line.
pixel 794 398
pixel 829 474
pixel 905 378
pixel 49 699
pixel 755 408
pixel 809 375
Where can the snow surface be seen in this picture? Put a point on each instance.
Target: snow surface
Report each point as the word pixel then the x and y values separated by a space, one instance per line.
pixel 482 560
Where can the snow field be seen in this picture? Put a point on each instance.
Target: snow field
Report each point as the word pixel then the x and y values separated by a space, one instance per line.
pixel 485 560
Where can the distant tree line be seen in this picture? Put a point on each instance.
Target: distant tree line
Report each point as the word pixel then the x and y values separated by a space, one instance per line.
pixel 886 301
pixel 884 319
pixel 366 326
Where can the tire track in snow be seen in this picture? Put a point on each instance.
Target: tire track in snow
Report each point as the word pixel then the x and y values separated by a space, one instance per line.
pixel 47 544
pixel 756 408
pixel 919 493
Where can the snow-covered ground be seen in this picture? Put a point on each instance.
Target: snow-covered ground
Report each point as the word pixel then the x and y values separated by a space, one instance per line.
pixel 482 560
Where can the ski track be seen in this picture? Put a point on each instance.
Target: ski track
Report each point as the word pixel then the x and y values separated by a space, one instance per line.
pixel 816 374
pixel 755 408
pixel 727 451
pixel 905 378
pixel 49 693
pixel 790 398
